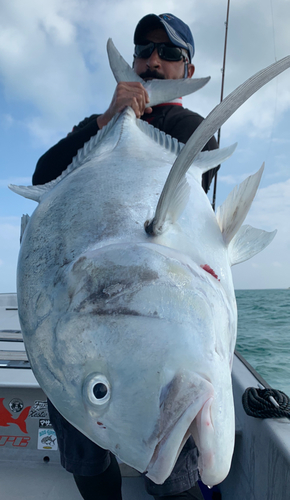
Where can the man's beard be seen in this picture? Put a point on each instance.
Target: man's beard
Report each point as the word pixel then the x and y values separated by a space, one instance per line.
pixel 152 74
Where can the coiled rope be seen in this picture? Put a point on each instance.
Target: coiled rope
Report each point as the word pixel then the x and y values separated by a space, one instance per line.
pixel 266 403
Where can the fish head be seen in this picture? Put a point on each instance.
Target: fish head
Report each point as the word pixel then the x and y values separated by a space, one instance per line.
pixel 142 372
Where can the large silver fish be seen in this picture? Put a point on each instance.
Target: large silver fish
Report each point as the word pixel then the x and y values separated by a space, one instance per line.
pixel 130 333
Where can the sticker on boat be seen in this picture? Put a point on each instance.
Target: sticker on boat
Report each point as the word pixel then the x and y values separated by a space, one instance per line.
pixel 18 441
pixel 39 410
pixel 46 436
pixel 16 405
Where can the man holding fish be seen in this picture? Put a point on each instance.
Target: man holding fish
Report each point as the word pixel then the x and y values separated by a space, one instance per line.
pixel 164 48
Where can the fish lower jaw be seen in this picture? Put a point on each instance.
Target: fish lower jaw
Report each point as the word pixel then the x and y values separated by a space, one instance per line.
pixel 151 473
pixel 214 460
pixel 164 456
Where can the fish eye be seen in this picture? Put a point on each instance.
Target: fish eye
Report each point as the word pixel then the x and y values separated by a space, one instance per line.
pixel 100 390
pixel 97 389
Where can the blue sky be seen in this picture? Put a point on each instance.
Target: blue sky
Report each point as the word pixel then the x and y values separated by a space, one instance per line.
pixel 54 72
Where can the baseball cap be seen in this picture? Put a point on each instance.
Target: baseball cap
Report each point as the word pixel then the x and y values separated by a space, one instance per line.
pixel 178 32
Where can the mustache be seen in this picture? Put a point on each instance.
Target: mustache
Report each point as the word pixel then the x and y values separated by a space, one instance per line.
pixel 152 74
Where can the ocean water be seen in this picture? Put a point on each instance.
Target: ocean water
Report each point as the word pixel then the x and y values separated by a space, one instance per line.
pixel 264 334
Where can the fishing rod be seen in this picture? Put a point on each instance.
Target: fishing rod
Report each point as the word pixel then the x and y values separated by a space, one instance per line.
pixel 222 96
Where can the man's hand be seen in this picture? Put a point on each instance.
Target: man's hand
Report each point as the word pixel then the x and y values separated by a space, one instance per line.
pixel 126 94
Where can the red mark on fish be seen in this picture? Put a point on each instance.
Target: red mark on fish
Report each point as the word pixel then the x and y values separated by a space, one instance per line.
pixel 209 270
pixel 6 417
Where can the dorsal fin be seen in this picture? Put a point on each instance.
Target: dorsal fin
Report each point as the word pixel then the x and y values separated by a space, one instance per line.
pixel 232 213
pixel 202 135
pixel 159 90
pixel 204 161
pixel 160 137
pixel 24 221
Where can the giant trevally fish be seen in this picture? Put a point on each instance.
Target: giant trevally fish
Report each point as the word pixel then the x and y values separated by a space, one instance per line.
pixel 130 331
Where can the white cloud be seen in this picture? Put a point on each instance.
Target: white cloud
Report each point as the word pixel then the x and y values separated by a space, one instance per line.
pixel 233 179
pixel 46 134
pixel 271 207
pixel 251 46
pixel 41 60
pixel 9 229
pixel 7 121
pixel 52 55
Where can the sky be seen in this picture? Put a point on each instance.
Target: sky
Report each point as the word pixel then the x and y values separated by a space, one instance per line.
pixel 54 71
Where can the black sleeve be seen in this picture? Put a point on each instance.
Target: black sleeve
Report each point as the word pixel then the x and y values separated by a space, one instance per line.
pixel 183 129
pixel 57 158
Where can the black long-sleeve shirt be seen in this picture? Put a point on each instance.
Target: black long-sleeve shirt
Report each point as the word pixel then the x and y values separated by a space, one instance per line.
pixel 171 119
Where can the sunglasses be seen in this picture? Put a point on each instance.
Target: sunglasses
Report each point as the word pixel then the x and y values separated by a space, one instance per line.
pixel 165 51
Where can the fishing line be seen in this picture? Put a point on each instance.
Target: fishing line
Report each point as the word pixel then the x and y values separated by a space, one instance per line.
pixel 270 142
pixel 221 99
pixel 273 30
pixel 222 88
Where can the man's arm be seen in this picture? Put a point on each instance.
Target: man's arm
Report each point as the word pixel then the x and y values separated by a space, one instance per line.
pixel 59 157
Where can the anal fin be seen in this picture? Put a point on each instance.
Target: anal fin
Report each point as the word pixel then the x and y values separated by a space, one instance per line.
pixel 232 213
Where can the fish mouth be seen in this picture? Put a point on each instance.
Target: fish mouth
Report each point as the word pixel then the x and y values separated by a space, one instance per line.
pixel 163 459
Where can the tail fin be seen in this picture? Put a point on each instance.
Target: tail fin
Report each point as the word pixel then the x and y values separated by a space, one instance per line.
pixel 159 91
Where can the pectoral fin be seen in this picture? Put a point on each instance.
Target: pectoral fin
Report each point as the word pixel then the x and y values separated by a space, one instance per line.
pixel 31 192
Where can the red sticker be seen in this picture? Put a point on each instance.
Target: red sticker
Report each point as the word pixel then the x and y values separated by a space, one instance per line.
pixel 6 417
